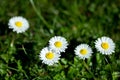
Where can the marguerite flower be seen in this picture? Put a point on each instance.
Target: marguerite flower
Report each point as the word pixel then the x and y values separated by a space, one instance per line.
pixel 48 56
pixel 105 45
pixel 83 51
pixel 18 24
pixel 58 44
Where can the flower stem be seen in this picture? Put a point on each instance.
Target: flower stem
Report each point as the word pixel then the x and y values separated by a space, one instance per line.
pixel 13 39
pixel 86 66
pixel 39 14
pixel 24 49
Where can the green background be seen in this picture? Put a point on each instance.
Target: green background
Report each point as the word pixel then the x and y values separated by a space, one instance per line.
pixel 79 21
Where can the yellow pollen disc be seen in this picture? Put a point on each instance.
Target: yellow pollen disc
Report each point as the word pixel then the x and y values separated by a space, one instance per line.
pixel 83 51
pixel 49 55
pixel 18 24
pixel 105 45
pixel 58 44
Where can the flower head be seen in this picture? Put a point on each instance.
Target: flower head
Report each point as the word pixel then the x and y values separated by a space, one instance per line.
pixel 48 56
pixel 83 51
pixel 18 24
pixel 58 44
pixel 105 45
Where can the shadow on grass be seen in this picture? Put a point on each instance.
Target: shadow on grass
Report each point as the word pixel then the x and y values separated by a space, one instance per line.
pixel 25 53
pixel 4 29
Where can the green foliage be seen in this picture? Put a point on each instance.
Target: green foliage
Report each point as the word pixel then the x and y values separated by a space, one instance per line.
pixel 79 21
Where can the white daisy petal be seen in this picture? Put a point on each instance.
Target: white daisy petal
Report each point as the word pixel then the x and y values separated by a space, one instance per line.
pixel 58 44
pixel 83 51
pixel 48 56
pixel 105 45
pixel 18 24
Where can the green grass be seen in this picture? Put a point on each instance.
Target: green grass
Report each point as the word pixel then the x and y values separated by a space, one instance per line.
pixel 79 21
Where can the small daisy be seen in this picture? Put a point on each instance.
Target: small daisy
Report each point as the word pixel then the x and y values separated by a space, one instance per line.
pixel 18 24
pixel 105 45
pixel 48 56
pixel 58 44
pixel 83 51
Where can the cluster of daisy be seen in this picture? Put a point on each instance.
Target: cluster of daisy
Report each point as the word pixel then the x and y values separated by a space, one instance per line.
pixel 104 45
pixel 51 54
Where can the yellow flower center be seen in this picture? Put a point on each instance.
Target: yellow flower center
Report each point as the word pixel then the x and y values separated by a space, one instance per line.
pixel 83 51
pixel 18 24
pixel 49 55
pixel 58 44
pixel 105 45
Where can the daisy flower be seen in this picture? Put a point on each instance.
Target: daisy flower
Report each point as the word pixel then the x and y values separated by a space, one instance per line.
pixel 48 56
pixel 83 51
pixel 58 44
pixel 105 45
pixel 18 24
